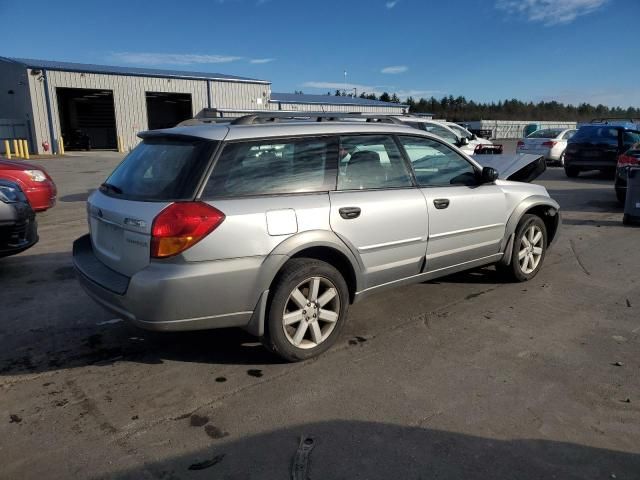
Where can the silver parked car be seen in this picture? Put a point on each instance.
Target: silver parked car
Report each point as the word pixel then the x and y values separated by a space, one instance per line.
pixel 549 142
pixel 278 228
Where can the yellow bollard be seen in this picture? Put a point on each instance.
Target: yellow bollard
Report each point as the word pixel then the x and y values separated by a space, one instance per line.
pixel 60 146
pixel 120 147
pixel 7 149
pixel 20 148
pixel 16 152
pixel 25 149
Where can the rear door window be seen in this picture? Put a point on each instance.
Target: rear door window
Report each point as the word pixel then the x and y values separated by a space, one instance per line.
pixel 274 166
pixel 161 169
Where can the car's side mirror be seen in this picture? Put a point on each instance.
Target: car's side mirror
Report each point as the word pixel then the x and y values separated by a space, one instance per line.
pixel 463 141
pixel 474 136
pixel 488 175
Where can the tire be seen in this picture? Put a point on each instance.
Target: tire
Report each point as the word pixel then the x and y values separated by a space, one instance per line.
pixel 626 220
pixel 515 271
pixel 561 161
pixel 571 172
pixel 311 329
pixel 621 195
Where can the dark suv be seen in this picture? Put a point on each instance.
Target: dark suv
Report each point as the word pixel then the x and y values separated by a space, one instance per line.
pixel 597 147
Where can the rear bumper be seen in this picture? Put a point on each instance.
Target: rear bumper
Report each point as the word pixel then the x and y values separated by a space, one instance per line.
pixel 589 164
pixel 172 296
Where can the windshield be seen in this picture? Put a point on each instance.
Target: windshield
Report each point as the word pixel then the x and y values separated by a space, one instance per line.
pixel 596 134
pixel 160 169
pixel 546 133
pixel 462 132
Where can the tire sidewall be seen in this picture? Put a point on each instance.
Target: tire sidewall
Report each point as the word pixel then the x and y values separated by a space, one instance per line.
pixel 526 222
pixel 295 273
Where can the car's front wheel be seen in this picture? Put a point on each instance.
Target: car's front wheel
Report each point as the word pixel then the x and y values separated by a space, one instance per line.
pixel 307 310
pixel 529 250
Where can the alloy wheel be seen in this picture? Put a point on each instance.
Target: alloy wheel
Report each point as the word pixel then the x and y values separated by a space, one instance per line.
pixel 311 312
pixel 531 249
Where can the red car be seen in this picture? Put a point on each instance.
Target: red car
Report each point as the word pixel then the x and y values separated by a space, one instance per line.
pixel 34 181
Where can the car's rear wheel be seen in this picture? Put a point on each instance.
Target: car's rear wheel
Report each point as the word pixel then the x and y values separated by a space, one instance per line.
pixel 571 172
pixel 529 250
pixel 562 159
pixel 307 310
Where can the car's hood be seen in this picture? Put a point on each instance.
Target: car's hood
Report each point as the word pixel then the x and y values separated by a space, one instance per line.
pixel 521 167
pixel 15 165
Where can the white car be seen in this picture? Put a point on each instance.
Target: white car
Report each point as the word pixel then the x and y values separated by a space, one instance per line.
pixel 452 133
pixel 549 142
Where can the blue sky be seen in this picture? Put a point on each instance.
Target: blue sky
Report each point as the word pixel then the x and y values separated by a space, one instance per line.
pixel 567 50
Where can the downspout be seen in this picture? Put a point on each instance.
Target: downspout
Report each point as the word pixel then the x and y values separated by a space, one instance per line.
pixel 208 94
pixel 47 99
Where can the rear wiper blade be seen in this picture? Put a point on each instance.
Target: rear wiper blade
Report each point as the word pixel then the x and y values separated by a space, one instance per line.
pixel 113 188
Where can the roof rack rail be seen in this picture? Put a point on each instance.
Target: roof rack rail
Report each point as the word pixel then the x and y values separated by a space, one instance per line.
pixel 615 119
pixel 267 117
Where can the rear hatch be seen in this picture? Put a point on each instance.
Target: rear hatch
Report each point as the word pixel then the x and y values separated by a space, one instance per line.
pixel 159 171
pixel 596 145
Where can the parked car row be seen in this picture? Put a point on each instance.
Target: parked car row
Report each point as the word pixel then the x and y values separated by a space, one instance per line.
pixel 611 146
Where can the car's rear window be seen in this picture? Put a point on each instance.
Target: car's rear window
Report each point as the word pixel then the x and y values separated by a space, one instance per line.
pixel 546 133
pixel 596 134
pixel 161 169
pixel 274 166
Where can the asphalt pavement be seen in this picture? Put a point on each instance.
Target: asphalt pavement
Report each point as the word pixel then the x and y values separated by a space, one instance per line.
pixel 462 377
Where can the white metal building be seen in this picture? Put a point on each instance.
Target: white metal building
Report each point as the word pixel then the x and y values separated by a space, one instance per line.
pixel 47 101
pixel 112 104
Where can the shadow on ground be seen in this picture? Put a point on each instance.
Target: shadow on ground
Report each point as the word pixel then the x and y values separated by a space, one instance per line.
pixel 368 450
pixel 76 332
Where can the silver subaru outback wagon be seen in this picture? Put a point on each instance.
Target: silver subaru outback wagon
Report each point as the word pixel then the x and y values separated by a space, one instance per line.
pixel 279 227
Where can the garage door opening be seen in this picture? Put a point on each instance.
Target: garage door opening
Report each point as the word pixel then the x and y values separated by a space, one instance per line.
pixel 87 118
pixel 166 110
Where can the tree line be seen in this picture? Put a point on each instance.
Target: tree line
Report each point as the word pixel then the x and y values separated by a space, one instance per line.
pixel 458 109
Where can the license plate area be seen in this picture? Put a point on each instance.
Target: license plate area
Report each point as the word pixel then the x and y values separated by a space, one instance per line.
pixel 108 238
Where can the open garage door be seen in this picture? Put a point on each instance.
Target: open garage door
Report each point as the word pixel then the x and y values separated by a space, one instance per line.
pixel 87 118
pixel 166 110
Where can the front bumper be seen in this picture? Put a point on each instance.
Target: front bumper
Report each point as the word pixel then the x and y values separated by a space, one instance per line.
pixel 42 196
pixel 19 235
pixel 167 296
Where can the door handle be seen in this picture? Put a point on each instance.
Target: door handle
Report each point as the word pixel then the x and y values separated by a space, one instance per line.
pixel 349 213
pixel 441 203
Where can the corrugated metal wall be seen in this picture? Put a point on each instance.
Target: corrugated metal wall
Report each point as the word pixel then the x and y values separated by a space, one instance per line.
pixel 314 107
pixel 15 104
pixel 130 100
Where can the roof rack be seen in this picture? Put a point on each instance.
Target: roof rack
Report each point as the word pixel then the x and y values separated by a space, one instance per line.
pixel 268 117
pixel 609 120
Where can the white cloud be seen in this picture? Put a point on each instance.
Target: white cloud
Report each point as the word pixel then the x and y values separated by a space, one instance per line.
pixel 261 60
pixel 391 4
pixel 147 58
pixel 395 69
pixel 550 12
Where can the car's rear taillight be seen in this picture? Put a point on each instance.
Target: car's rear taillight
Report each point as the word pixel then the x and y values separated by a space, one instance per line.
pixel 520 143
pixel 182 225
pixel 628 161
pixel 549 143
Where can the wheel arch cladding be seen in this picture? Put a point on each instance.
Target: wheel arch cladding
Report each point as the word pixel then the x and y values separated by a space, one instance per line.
pixel 549 215
pixel 336 259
